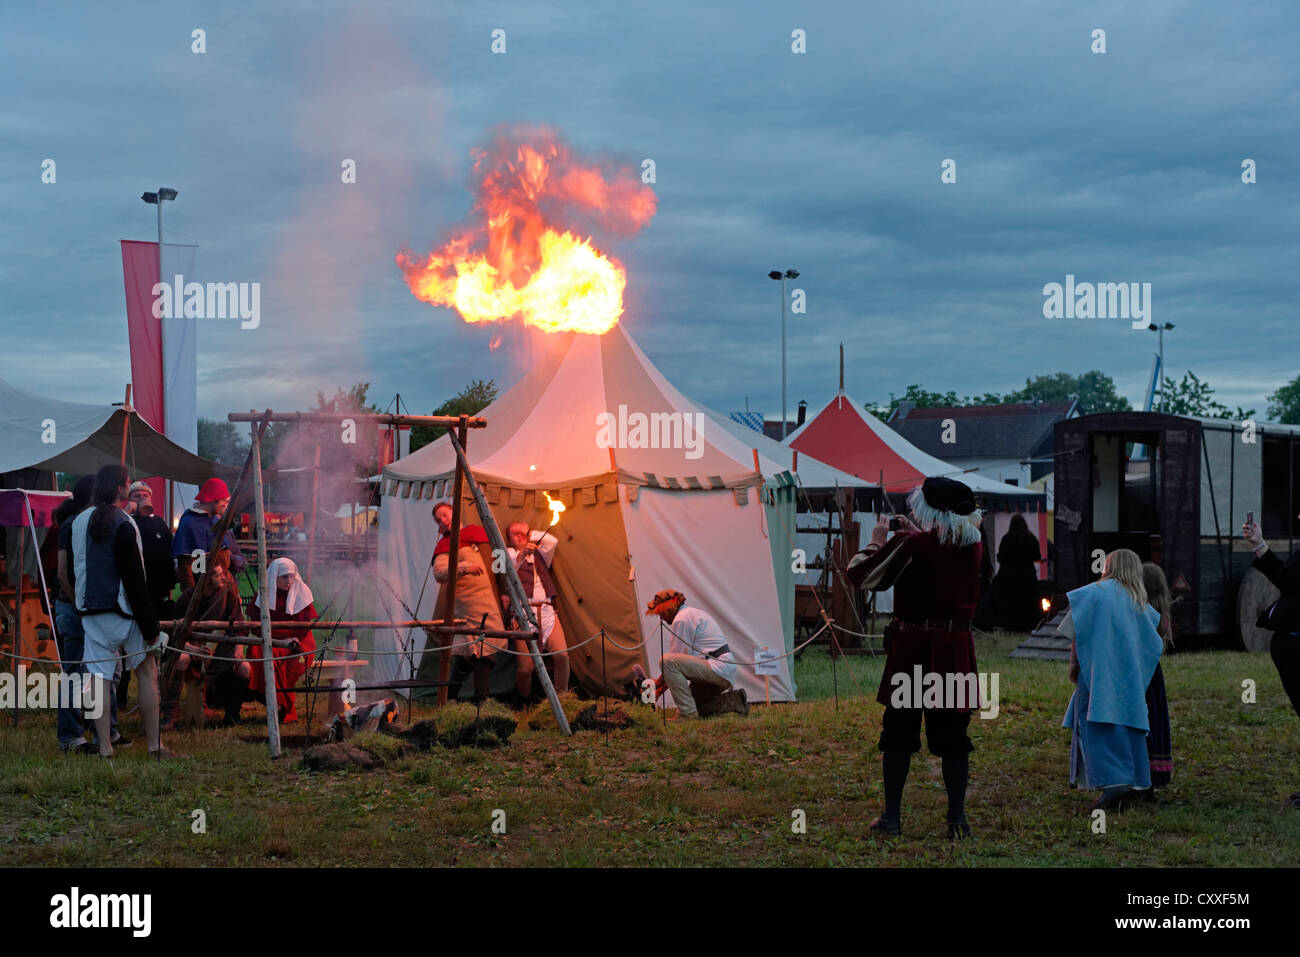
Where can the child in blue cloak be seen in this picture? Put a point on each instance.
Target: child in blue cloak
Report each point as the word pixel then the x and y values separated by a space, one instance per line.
pixel 1116 647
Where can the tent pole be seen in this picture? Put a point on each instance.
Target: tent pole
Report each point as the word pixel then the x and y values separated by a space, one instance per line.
pixel 315 497
pixel 126 421
pixel 517 596
pixel 267 598
pixel 604 684
pixel 18 628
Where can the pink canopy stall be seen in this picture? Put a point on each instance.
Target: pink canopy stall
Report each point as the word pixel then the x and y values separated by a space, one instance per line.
pixel 28 627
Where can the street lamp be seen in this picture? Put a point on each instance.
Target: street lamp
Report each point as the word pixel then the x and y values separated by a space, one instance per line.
pixel 783 276
pixel 1152 327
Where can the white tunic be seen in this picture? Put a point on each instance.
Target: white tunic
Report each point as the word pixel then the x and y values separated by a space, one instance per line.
pixel 695 633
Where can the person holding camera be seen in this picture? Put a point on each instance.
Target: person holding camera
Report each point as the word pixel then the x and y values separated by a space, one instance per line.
pixel 933 565
pixel 1283 616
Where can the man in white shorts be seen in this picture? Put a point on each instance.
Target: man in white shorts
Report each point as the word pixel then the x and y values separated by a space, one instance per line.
pixel 112 598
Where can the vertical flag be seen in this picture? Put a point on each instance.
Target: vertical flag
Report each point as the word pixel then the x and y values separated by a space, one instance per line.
pixel 164 353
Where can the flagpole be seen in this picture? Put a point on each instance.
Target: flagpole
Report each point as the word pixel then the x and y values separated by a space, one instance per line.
pixel 162 354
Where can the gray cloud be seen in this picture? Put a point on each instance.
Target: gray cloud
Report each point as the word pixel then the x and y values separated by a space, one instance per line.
pixel 1117 167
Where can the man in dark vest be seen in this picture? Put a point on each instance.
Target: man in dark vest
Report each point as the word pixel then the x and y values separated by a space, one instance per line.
pixel 532 553
pixel 159 570
pixel 112 599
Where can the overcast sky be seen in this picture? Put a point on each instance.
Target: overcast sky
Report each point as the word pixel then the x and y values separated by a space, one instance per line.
pixel 1122 166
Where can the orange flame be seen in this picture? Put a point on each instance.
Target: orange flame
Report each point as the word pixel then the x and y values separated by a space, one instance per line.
pixel 555 506
pixel 1047 604
pixel 524 258
pixel 496 341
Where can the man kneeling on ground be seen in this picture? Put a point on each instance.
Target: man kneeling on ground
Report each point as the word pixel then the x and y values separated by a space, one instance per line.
pixel 699 665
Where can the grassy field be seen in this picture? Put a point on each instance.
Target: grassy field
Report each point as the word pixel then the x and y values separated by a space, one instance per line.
pixel 694 794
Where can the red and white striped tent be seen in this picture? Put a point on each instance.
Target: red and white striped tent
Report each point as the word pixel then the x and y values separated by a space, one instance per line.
pixel 845 435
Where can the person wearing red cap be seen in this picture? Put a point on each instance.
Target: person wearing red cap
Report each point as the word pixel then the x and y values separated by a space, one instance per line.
pixel 197 529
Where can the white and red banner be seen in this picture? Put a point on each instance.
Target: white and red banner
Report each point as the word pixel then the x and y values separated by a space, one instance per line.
pixel 164 356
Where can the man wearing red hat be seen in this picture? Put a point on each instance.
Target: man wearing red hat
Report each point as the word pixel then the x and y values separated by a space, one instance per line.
pixel 197 528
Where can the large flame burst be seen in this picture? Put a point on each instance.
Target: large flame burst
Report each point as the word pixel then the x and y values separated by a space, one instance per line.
pixel 519 259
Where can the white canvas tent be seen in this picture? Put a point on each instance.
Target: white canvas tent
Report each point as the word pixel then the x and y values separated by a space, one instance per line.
pixel 640 516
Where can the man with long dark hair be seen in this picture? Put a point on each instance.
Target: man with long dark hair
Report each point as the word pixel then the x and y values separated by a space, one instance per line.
pixel 112 598
pixel 70 635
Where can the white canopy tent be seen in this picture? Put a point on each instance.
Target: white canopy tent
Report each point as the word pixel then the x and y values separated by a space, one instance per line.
pixel 659 493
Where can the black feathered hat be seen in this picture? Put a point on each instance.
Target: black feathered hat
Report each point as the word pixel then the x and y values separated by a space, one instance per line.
pixel 949 495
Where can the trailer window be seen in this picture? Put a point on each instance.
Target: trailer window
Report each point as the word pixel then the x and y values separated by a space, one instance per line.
pixel 1281 487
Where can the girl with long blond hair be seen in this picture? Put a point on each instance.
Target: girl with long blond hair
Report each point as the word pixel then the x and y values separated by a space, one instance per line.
pixel 1113 656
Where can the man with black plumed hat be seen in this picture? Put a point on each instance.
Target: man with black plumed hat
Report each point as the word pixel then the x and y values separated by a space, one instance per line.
pixel 933 565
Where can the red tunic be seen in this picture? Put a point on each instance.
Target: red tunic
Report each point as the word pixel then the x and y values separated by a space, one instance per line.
pixel 932 583
pixel 288 667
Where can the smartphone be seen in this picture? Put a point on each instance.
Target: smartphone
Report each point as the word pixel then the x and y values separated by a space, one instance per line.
pixel 895 523
pixel 1250 518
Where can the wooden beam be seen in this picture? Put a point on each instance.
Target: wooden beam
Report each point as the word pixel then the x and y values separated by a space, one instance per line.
pixel 460 627
pixel 380 418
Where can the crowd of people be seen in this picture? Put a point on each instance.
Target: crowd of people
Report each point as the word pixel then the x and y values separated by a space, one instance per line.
pixel 1119 626
pixel 118 566
pixel 699 668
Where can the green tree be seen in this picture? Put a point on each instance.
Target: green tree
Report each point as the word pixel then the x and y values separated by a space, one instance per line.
pixel 919 396
pixel 222 442
pixel 1284 404
pixel 471 400
pixel 1193 396
pixel 1095 391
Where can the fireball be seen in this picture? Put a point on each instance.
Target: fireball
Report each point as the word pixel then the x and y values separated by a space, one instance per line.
pixel 525 257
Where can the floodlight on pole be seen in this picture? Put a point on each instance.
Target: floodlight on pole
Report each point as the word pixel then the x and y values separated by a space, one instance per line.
pixel 783 276
pixel 1160 330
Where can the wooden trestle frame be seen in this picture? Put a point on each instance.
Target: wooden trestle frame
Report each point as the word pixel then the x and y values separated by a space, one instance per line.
pixel 458 431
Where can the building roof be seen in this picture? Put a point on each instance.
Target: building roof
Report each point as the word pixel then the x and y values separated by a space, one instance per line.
pixel 1014 431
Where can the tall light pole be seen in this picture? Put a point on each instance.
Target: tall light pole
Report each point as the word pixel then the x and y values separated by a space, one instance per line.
pixel 1160 329
pixel 164 193
pixel 783 276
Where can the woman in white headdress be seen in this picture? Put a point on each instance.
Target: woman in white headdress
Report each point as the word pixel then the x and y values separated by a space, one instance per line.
pixel 292 601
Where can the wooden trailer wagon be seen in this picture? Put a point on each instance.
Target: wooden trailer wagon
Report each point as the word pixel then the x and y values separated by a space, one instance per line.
pixel 1176 490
